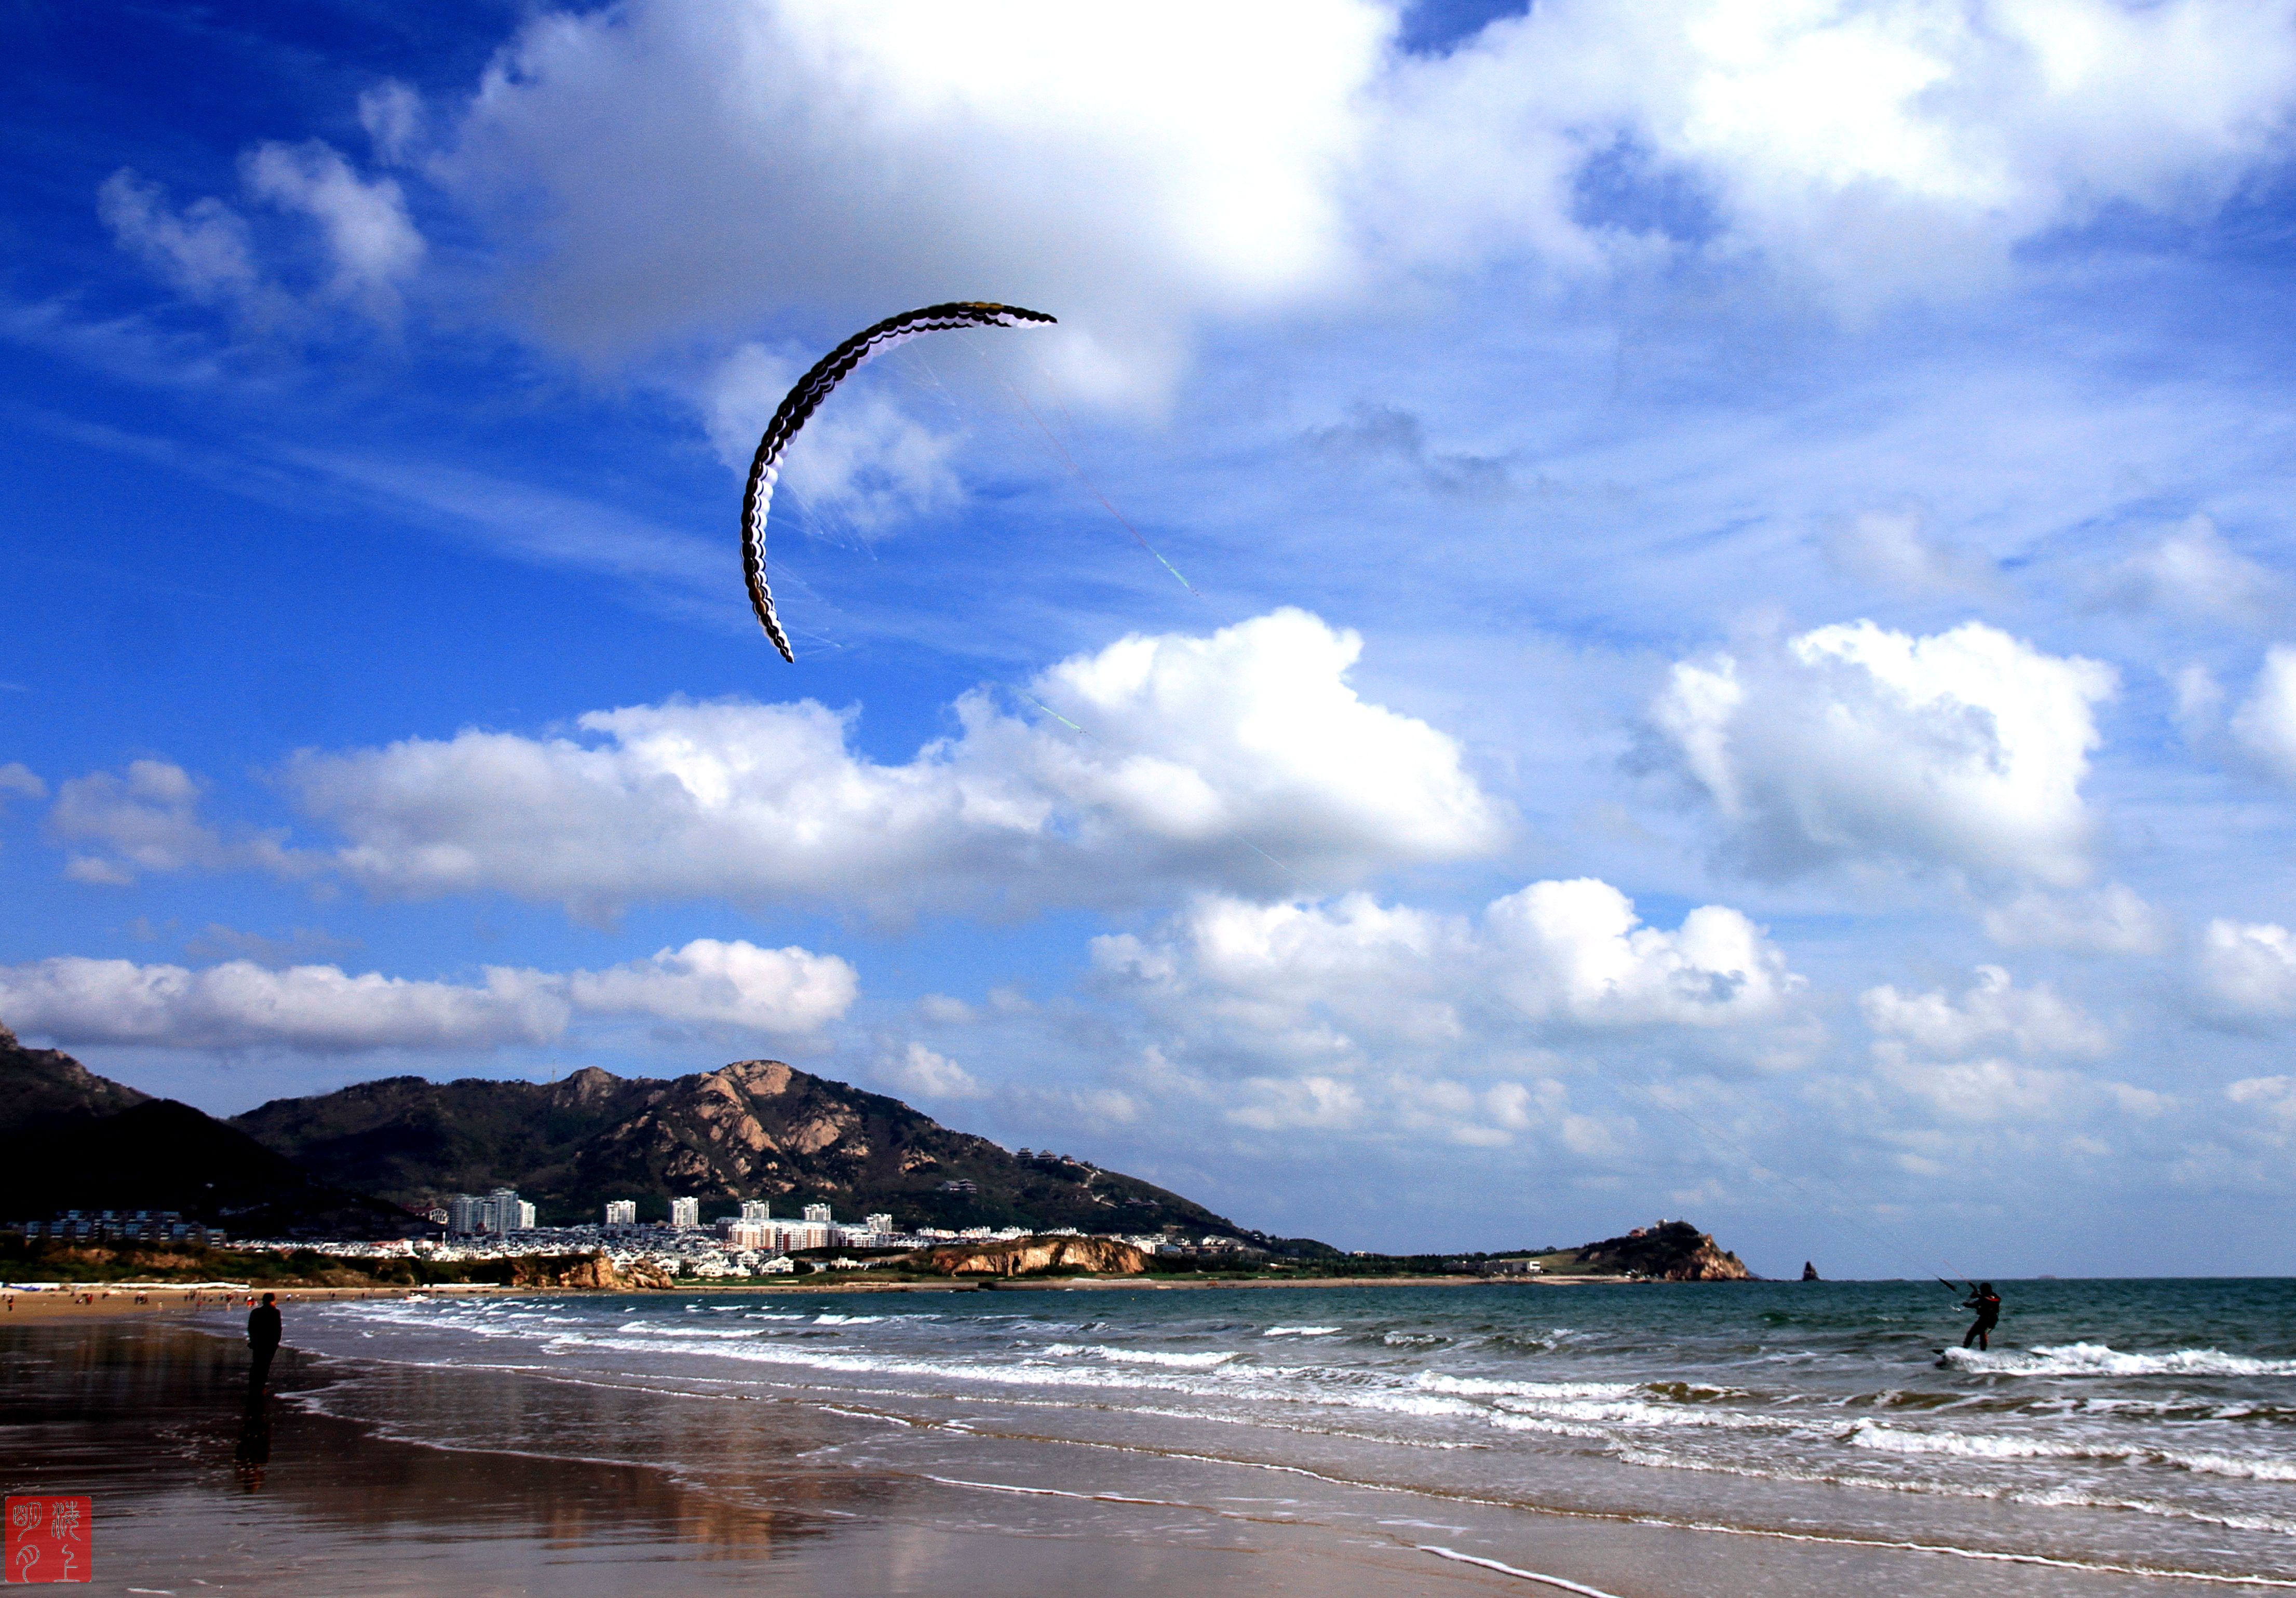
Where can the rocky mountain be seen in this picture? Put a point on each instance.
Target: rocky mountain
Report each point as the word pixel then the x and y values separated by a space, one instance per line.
pixel 1667 1251
pixel 44 1087
pixel 72 1140
pixel 755 1129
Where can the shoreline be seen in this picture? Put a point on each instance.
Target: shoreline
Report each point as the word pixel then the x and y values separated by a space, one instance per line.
pixel 120 1299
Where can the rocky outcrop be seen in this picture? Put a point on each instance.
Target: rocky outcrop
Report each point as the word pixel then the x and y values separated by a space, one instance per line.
pixel 1668 1251
pixel 583 1270
pixel 42 1089
pixel 1037 1256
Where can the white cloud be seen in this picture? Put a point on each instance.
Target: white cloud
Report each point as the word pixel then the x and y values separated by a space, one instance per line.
pixel 394 116
pixel 2265 725
pixel 917 1072
pixel 2272 1099
pixel 147 820
pixel 16 777
pixel 766 155
pixel 736 984
pixel 1964 750
pixel 2194 572
pixel 845 156
pixel 1896 550
pixel 863 458
pixel 316 1008
pixel 1326 990
pixel 2247 969
pixel 371 244
pixel 321 1009
pixel 1985 1089
pixel 1193 751
pixel 203 251
pixel 1994 1009
pixel 2110 919
pixel 208 252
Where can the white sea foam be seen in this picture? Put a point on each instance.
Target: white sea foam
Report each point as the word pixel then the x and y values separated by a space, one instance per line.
pixel 1483 1386
pixel 846 1320
pixel 1144 1356
pixel 2098 1359
pixel 1300 1332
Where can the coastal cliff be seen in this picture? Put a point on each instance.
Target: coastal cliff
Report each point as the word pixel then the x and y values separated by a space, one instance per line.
pixel 1037 1256
pixel 586 1270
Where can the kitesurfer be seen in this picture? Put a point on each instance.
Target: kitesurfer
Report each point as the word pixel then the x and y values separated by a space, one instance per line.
pixel 1986 1303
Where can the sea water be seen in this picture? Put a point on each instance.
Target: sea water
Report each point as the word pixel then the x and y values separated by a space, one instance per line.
pixel 2114 1426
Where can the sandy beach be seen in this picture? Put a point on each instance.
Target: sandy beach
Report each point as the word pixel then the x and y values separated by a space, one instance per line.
pixel 190 1487
pixel 505 1469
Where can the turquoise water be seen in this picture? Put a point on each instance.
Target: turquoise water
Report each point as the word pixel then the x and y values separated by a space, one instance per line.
pixel 2114 1425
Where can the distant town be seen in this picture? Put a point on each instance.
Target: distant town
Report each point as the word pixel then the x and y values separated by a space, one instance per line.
pixel 751 1243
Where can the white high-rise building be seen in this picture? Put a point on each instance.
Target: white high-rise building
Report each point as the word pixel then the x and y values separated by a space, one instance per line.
pixel 621 1212
pixel 499 1212
pixel 756 1209
pixel 686 1213
pixel 466 1214
pixel 880 1225
pixel 817 1212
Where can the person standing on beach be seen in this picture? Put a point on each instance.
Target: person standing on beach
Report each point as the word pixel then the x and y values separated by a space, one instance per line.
pixel 1986 1303
pixel 262 1342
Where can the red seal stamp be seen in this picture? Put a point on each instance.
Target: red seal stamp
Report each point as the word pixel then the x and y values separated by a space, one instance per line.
pixel 48 1540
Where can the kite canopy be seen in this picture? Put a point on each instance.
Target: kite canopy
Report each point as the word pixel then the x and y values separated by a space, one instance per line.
pixel 803 401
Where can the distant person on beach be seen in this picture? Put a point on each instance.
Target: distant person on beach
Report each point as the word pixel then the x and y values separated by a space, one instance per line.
pixel 262 1342
pixel 1986 1303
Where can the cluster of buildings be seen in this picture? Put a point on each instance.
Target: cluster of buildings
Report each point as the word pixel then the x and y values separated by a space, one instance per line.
pixel 122 1226
pixel 754 1242
pixel 500 1213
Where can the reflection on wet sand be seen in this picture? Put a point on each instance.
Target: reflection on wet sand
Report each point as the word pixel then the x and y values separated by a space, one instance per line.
pixel 254 1450
pixel 193 1486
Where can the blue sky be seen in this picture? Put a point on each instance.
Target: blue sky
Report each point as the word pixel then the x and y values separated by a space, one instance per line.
pixel 1736 659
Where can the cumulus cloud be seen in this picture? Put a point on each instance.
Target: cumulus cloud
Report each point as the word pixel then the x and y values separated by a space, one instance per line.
pixel 734 984
pixel 1963 752
pixel 766 155
pixel 1326 989
pixel 317 1009
pixel 321 1009
pixel 2194 572
pixel 2247 969
pixel 848 157
pixel 2265 725
pixel 1979 1057
pixel 2269 1099
pixel 1191 750
pixel 2035 1021
pixel 146 819
pixel 917 1072
pixel 2110 919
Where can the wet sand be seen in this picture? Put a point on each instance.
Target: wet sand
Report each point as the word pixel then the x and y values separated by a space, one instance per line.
pixel 368 1478
pixel 194 1491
